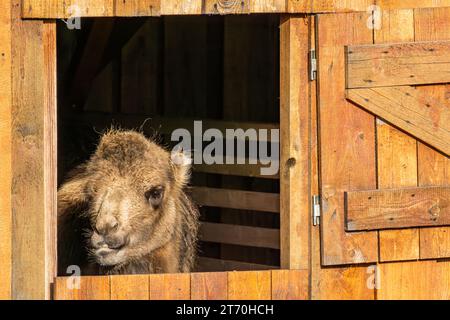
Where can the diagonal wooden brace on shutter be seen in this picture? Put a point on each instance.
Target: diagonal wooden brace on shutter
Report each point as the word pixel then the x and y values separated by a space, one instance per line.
pixel 397 208
pixel 424 118
pixel 379 77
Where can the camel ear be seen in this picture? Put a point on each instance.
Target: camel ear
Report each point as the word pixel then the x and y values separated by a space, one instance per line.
pixel 73 193
pixel 181 164
pixel 73 203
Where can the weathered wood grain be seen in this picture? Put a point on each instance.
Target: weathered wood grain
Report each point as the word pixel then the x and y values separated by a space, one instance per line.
pixel 170 286
pixel 347 142
pixel 295 133
pixel 399 245
pixel 52 9
pixel 421 280
pixel 93 8
pixel 226 7
pixel 83 288
pixel 410 63
pixel 240 235
pixel 33 118
pixel 50 148
pixel 397 208
pixel 396 151
pixel 236 199
pixel 267 6
pixel 290 284
pixel 126 287
pixel 5 154
pixel 137 8
pixel 421 116
pixel 249 285
pixel 329 6
pixel 433 168
pixel 205 264
pixel 411 4
pixel 343 284
pixel 209 286
pixel 181 7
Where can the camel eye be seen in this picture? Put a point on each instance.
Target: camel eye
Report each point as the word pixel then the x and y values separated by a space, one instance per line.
pixel 154 196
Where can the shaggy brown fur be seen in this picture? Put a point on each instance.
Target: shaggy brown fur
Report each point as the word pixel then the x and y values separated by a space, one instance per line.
pixel 125 210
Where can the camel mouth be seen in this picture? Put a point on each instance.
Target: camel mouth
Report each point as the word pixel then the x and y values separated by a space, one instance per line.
pixel 106 256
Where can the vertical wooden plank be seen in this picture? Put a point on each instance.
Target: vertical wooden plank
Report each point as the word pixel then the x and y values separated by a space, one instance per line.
pixel 330 283
pixel 170 286
pixel 295 138
pixel 347 136
pixel 130 287
pixel 89 288
pixel 433 167
pixel 420 280
pixel 290 284
pixel 141 70
pixel 5 146
pixel 396 151
pixel 64 9
pixel 137 8
pixel 50 149
pixel 343 284
pixel 209 286
pixel 33 143
pixel 249 285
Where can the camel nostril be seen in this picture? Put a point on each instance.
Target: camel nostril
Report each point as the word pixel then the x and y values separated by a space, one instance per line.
pixel 106 225
pixel 115 226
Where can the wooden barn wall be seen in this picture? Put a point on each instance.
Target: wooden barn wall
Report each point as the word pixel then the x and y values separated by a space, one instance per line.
pixel 403 271
pixel 427 279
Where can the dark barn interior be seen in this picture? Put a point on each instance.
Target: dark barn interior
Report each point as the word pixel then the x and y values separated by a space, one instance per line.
pixel 158 74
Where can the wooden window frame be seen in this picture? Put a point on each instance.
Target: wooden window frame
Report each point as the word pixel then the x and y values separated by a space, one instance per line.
pixel 34 142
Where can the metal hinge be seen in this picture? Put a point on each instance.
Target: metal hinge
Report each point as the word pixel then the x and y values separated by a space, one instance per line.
pixel 312 65
pixel 316 210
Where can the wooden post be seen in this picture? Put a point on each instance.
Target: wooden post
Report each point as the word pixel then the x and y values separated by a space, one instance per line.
pixel 5 147
pixel 295 138
pixel 33 156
